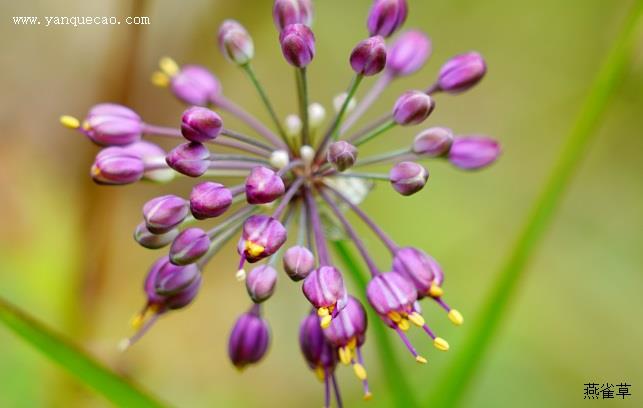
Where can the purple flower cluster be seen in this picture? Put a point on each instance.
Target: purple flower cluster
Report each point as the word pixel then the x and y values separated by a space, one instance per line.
pixel 288 173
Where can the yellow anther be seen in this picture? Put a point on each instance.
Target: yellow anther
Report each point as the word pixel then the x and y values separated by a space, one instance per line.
pixel 254 249
pixel 169 66
pixel 345 355
pixel 70 122
pixel 325 321
pixel 367 396
pixel 416 319
pixel 441 344
pixel 160 79
pixel 240 275
pixel 404 324
pixel 320 373
pixel 360 371
pixel 435 290
pixel 352 343
pixel 137 321
pixel 95 171
pixel 456 317
pixel 420 359
pixel 322 311
pixel 395 316
pixel 86 125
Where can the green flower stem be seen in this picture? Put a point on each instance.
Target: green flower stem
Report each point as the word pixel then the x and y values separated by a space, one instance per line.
pixel 390 124
pixel 302 91
pixel 399 388
pixel 264 98
pixel 87 370
pixel 486 324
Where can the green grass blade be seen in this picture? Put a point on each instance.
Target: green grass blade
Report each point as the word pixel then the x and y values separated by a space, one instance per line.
pixel 401 393
pixel 485 325
pixel 87 370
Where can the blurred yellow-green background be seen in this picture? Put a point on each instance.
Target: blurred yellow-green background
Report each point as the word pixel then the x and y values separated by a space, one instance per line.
pixel 67 257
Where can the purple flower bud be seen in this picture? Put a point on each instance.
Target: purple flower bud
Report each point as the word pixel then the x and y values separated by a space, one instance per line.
pixel 150 240
pixel 287 12
pixel 149 286
pixel 324 288
pixel 260 283
pixel 153 157
pixel 263 186
pixel 191 159
pixel 262 236
pixel 195 85
pixel 117 166
pixel 408 178
pixel 369 56
pixel 109 124
pixel 249 339
pixel 163 213
pixel 408 53
pixel 349 325
pixel 318 352
pixel 391 292
pixel 209 199
pixel 412 108
pixel 173 279
pixel 190 245
pixel 342 155
pixel 161 303
pixel 433 142
pixel 297 44
pixel 386 16
pixel 235 43
pixel 298 262
pixel 419 268
pixel 462 72
pixel 185 296
pixel 200 124
pixel 473 152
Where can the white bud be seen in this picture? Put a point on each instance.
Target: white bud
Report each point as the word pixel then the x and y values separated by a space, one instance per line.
pixel 338 102
pixel 307 154
pixel 293 125
pixel 279 159
pixel 316 114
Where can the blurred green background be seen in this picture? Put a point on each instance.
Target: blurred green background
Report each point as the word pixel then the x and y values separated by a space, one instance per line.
pixel 66 253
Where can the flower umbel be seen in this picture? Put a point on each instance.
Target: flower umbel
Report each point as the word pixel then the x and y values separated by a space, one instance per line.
pixel 293 181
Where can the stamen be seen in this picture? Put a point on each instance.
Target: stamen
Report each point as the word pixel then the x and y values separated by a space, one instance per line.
pixel 367 393
pixel 169 66
pixel 322 311
pixel 240 275
pixel 409 346
pixel 320 373
pixel 128 342
pixel 326 390
pixel 441 344
pixel 416 319
pixel 254 249
pixel 360 371
pixel 456 317
pixel 345 356
pixel 160 79
pixel 325 321
pixel 338 397
pixel 69 122
pixel 435 291
pixel 404 325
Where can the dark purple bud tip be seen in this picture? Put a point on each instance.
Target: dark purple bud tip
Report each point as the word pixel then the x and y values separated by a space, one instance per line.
pixel 297 44
pixel 433 142
pixel 260 283
pixel 320 355
pixel 287 12
pixel 200 124
pixel 163 213
pixel 191 159
pixel 408 53
pixel 462 72
pixel 262 236
pixel 209 199
pixel 173 279
pixel 235 43
pixel 149 240
pixel 298 262
pixel 195 85
pixel 189 246
pixel 109 124
pixel 408 178
pixel 117 166
pixel 342 155
pixel 324 288
pixel 474 152
pixel 249 339
pixel 391 292
pixel 369 56
pixel 263 186
pixel 412 108
pixel 386 16
pixel 349 326
pixel 419 268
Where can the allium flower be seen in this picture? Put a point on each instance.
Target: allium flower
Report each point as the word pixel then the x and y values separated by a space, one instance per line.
pixel 294 179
